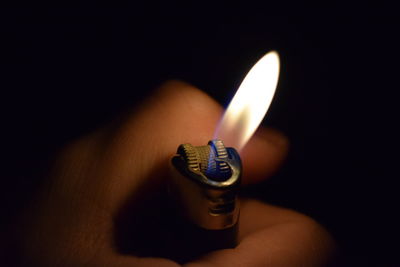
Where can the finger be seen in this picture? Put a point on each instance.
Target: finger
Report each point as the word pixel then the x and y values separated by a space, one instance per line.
pixel 263 155
pixel 105 258
pixel 102 171
pixel 179 113
pixel 272 236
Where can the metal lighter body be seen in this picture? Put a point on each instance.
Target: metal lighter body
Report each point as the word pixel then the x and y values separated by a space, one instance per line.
pixel 204 186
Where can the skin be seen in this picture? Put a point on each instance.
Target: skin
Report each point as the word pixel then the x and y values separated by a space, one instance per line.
pixel 72 222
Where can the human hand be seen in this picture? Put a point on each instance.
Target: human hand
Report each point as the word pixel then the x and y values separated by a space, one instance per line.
pixel 97 188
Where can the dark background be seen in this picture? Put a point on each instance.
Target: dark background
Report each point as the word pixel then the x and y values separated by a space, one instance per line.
pixel 66 71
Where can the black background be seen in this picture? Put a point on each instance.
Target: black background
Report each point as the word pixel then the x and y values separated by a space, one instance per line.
pixel 66 71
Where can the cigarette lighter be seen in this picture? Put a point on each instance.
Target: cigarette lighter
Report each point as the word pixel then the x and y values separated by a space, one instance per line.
pixel 204 186
pixel 205 179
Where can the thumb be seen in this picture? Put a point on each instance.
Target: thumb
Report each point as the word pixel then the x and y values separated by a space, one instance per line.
pixel 177 113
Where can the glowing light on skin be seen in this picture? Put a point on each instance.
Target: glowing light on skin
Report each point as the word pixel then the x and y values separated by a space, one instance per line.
pixel 250 103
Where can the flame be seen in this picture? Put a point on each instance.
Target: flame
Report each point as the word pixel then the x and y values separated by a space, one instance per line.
pixel 250 103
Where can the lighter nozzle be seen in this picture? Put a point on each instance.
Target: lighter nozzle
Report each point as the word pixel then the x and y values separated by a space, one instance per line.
pixel 209 159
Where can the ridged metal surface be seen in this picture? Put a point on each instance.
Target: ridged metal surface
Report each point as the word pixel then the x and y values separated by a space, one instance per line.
pixel 203 158
pixel 220 152
pixel 190 155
